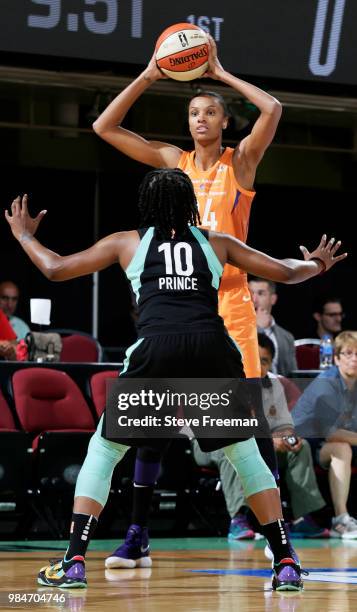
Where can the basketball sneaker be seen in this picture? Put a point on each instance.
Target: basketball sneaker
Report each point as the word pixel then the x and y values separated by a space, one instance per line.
pixel 287 576
pixel 305 527
pixel 344 526
pixel 64 574
pixel 134 552
pixel 240 529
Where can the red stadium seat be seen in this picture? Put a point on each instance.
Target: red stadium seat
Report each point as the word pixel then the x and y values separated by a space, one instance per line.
pixel 48 399
pixel 79 347
pixel 51 407
pixel 292 391
pixel 98 389
pixel 308 353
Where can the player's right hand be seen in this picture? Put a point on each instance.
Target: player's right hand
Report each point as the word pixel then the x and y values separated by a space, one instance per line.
pixel 152 72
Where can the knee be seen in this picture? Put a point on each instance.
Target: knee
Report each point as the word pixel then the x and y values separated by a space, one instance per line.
pixel 342 450
pixel 94 478
pixel 253 472
pixel 103 455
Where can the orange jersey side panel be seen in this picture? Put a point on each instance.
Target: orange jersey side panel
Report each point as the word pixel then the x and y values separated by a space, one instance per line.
pixel 237 310
pixel 225 206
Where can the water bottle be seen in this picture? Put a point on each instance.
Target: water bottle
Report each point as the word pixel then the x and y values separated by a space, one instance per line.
pixel 326 352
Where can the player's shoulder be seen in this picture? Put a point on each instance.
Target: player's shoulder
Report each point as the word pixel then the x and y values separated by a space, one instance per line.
pixel 120 238
pixel 218 236
pixel 185 159
pixel 220 241
pixel 222 237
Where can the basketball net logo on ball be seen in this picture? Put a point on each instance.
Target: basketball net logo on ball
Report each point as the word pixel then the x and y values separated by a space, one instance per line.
pixel 182 52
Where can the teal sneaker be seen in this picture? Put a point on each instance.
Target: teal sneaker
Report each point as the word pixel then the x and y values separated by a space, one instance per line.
pixel 240 529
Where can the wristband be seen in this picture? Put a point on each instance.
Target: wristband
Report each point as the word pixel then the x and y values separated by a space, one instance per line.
pixel 321 261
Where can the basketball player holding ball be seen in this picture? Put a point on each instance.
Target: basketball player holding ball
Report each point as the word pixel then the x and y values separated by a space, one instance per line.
pixel 223 180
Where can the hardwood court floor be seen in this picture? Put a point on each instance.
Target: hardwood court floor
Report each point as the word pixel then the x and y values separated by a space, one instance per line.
pixel 198 575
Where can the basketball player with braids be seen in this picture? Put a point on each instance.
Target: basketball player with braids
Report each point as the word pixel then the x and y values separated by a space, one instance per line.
pixel 223 180
pixel 180 335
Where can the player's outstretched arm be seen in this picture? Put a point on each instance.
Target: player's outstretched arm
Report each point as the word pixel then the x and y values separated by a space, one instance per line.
pixel 54 266
pixel 108 125
pixel 251 149
pixel 280 270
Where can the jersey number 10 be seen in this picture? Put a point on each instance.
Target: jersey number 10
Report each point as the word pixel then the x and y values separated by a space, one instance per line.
pixel 182 258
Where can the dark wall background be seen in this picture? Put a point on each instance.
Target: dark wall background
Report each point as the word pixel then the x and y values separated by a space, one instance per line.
pixel 69 227
pixel 285 217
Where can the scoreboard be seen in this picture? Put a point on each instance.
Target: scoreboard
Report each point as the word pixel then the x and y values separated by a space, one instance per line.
pixel 308 40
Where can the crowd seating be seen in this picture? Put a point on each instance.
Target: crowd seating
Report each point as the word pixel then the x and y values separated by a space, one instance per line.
pixel 307 353
pixel 46 420
pixel 15 468
pixel 78 346
pixel 7 422
pixel 97 386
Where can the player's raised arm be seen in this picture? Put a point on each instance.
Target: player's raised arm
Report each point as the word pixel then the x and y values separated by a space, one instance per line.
pixel 108 125
pixel 288 271
pixel 54 266
pixel 251 149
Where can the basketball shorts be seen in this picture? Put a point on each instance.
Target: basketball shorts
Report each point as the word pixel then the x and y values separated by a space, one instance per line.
pixel 200 355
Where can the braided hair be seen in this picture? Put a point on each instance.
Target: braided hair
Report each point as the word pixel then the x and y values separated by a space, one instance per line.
pixel 168 202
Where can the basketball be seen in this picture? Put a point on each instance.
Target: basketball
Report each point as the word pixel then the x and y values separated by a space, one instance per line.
pixel 182 52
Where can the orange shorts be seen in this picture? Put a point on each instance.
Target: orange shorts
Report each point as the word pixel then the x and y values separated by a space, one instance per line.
pixel 237 310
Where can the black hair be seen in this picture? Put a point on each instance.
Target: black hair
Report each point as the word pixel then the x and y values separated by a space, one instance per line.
pixel 258 279
pixel 168 202
pixel 321 301
pixel 212 94
pixel 265 342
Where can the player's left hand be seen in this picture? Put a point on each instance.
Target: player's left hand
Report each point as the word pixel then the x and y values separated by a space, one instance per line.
pixel 215 67
pixel 325 252
pixel 20 221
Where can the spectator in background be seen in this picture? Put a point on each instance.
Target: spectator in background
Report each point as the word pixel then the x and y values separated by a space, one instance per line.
pixel 294 461
pixel 7 339
pixel 264 297
pixel 328 313
pixel 9 297
pixel 326 413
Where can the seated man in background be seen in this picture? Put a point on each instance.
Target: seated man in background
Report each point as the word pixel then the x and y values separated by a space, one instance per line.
pixel 327 414
pixel 264 297
pixel 9 297
pixel 294 461
pixel 328 313
pixel 7 339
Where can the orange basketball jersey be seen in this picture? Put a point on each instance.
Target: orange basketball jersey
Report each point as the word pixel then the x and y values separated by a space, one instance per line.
pixel 225 206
